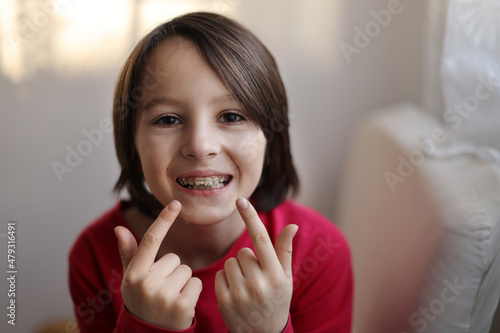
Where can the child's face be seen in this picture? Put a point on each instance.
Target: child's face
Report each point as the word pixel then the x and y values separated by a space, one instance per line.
pixel 190 130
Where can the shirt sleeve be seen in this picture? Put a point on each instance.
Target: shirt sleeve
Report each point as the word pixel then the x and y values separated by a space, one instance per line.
pixel 91 298
pixel 128 323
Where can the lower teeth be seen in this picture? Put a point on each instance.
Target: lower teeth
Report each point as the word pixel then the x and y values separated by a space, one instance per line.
pixel 203 187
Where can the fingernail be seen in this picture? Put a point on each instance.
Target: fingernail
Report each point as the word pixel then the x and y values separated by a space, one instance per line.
pixel 243 203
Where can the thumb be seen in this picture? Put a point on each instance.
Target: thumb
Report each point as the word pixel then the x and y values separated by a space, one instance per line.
pixel 283 247
pixel 127 245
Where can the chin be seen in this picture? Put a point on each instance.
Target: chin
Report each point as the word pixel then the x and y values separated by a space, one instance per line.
pixel 203 216
pixel 206 210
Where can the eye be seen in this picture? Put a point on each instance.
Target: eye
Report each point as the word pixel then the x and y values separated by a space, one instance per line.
pixel 167 120
pixel 231 117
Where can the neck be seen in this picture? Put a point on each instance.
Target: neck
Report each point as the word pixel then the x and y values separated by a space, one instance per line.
pixel 198 246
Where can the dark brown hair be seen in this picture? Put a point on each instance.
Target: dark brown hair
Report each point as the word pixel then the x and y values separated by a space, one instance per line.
pixel 250 73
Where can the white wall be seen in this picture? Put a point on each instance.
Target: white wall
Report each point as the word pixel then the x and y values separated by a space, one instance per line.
pixel 53 90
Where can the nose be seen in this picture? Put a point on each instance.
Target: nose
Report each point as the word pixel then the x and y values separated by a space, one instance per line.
pixel 200 141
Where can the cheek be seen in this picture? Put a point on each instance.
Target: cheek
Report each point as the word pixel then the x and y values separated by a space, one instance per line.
pixel 151 163
pixel 252 148
pixel 154 155
pixel 251 152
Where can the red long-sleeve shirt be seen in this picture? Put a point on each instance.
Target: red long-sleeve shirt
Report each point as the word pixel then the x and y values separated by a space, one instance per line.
pixel 322 277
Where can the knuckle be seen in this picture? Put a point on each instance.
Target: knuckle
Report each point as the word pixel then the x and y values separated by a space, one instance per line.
pixel 129 279
pixel 260 238
pixel 239 296
pixel 257 288
pixel 224 302
pixel 223 296
pixel 245 252
pixel 167 295
pixel 196 282
pixel 230 263
pixel 252 214
pixel 148 287
pixel 181 305
pixel 185 270
pixel 174 258
pixel 277 281
pixel 149 239
pixel 286 249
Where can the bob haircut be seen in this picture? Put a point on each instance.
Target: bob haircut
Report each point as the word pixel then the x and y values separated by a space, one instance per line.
pixel 249 71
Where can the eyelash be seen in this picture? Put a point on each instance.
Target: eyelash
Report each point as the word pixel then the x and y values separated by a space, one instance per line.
pixel 160 120
pixel 239 117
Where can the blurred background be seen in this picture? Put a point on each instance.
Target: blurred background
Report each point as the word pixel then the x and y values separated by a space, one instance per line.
pixel 340 60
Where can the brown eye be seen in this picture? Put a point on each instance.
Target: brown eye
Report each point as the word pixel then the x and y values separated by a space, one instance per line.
pixel 231 117
pixel 167 121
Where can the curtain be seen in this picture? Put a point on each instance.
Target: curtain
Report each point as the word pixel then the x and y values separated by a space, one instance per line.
pixel 463 75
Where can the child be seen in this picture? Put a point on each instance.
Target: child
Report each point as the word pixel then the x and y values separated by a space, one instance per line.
pixel 200 116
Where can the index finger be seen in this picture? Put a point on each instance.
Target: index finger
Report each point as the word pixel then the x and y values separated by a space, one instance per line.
pixel 151 241
pixel 260 238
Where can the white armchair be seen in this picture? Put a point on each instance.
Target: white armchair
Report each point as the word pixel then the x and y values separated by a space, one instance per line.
pixel 424 230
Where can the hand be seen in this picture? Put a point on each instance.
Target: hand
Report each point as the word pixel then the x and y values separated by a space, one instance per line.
pixel 161 293
pixel 254 293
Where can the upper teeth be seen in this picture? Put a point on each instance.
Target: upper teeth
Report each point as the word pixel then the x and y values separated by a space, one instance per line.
pixel 211 181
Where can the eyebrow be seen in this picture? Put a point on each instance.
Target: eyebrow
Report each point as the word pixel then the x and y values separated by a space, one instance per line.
pixel 172 101
pixel 222 99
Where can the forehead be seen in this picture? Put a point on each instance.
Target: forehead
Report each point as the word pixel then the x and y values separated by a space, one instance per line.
pixel 171 51
pixel 177 64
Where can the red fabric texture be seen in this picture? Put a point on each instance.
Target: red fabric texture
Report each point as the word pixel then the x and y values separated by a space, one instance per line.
pixel 321 264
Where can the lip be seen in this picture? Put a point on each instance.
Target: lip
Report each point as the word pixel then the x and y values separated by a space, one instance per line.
pixel 203 173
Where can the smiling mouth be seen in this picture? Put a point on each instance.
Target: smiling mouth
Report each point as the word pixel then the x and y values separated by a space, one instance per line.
pixel 204 183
